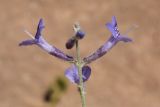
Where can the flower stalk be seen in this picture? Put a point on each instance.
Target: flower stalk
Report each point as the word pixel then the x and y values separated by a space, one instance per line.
pixel 79 65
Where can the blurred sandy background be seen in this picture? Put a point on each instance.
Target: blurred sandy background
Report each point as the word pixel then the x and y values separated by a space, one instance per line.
pixel 128 76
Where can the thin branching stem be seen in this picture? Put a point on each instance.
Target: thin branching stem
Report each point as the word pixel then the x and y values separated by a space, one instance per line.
pixel 79 64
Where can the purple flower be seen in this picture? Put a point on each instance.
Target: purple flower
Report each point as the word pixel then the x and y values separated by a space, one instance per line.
pixel 112 41
pixel 72 73
pixel 42 43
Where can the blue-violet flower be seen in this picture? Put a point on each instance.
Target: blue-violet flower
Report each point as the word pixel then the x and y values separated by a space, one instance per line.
pixel 41 42
pixel 112 41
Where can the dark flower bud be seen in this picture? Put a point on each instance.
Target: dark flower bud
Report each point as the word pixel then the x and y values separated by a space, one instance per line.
pixel 70 43
pixel 80 34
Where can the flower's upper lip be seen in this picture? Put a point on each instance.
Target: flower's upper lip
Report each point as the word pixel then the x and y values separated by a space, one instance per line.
pixel 39 28
pixel 113 28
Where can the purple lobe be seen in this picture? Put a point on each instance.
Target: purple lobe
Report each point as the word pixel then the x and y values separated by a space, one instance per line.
pixel 27 42
pixel 39 28
pixel 124 39
pixel 112 26
pixel 114 21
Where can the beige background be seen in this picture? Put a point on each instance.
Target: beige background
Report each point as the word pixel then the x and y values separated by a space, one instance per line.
pixel 128 76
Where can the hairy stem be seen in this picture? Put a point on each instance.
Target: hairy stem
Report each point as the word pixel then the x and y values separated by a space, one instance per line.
pixel 79 64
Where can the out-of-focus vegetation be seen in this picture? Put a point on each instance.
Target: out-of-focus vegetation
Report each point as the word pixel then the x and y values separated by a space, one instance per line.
pixel 56 90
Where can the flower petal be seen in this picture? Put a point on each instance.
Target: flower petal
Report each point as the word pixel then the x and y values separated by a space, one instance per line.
pixel 27 42
pixel 72 74
pixel 39 28
pixel 111 28
pixel 114 21
pixel 124 38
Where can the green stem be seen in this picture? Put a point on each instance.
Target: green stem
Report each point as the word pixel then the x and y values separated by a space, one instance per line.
pixel 79 64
